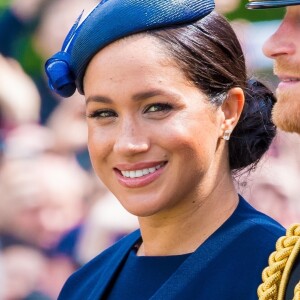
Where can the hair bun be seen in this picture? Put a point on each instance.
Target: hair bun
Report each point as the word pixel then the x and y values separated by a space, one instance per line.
pixel 255 131
pixel 61 78
pixel 262 96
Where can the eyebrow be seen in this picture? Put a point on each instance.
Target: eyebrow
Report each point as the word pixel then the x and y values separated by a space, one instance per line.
pixel 152 93
pixel 136 97
pixel 100 99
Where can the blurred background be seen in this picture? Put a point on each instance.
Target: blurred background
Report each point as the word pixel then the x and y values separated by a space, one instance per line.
pixel 55 215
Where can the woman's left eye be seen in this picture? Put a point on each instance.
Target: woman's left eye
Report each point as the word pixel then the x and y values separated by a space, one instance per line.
pixel 157 107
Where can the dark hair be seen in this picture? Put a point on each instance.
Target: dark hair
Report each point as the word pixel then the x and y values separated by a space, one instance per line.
pixel 211 56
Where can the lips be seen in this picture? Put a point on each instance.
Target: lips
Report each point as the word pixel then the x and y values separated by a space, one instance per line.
pixel 139 175
pixel 287 81
pixel 287 78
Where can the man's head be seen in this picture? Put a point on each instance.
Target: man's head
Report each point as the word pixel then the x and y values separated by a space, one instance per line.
pixel 284 48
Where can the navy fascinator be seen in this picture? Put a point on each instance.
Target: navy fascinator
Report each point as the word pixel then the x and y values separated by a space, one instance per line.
pixel 109 21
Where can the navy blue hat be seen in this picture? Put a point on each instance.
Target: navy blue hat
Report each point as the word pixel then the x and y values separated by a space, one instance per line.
pixel 253 4
pixel 109 21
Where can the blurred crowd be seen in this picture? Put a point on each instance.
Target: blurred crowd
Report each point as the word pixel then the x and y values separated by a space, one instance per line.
pixel 55 215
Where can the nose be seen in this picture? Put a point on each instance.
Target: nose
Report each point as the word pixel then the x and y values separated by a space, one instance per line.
pixel 282 42
pixel 131 139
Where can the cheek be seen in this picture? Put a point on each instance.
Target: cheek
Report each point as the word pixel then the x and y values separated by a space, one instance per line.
pixel 99 146
pixel 191 143
pixel 193 151
pixel 192 133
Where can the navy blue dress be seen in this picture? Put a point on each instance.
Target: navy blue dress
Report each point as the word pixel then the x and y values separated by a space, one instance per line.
pixel 227 266
pixel 142 275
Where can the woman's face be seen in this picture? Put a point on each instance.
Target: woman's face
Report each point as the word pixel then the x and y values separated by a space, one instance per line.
pixel 153 136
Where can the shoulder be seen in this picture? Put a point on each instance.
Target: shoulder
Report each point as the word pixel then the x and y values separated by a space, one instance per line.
pixel 86 278
pixel 258 223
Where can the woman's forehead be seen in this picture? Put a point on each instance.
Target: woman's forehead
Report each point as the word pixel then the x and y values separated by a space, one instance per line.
pixel 131 47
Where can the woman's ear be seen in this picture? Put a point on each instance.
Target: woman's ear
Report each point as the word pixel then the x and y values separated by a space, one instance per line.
pixel 231 109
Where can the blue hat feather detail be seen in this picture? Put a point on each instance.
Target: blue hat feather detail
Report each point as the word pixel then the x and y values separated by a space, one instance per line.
pixel 61 78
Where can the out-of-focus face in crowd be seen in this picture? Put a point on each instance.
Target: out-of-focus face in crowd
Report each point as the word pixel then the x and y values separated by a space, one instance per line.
pixel 41 198
pixel 56 21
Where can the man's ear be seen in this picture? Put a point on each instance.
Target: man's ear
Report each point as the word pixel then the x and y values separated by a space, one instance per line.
pixel 231 110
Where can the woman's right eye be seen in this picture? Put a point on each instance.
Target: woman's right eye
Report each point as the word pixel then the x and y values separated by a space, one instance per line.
pixel 158 107
pixel 102 114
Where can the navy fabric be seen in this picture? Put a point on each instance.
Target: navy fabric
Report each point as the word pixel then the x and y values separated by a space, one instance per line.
pixel 271 3
pixel 226 266
pixel 142 275
pixel 108 22
pixel 293 280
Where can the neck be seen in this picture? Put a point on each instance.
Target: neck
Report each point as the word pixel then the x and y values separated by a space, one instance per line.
pixel 184 232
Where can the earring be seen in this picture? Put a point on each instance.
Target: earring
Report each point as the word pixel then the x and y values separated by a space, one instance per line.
pixel 226 135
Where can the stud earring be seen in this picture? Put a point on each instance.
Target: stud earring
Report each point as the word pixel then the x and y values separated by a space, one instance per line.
pixel 226 135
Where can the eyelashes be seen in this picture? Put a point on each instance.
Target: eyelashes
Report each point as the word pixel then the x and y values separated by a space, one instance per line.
pixel 158 107
pixel 102 114
pixel 152 109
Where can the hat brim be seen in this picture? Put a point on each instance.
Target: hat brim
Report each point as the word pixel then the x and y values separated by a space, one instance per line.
pixel 271 4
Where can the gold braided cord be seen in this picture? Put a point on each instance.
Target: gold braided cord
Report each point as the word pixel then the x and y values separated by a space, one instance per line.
pixel 275 276
pixel 297 292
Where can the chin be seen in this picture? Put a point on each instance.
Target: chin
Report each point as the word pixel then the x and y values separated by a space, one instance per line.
pixel 141 212
pixel 144 209
pixel 286 112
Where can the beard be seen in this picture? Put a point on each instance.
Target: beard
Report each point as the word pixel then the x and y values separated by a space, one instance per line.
pixel 286 111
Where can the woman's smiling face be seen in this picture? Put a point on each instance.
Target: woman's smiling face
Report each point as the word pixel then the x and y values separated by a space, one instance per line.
pixel 153 136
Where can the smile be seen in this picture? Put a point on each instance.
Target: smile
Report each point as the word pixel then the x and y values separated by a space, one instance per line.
pixel 290 80
pixel 140 173
pixel 287 78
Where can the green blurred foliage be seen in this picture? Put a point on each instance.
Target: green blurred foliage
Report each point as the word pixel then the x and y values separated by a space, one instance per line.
pixel 4 3
pixel 27 56
pixel 23 47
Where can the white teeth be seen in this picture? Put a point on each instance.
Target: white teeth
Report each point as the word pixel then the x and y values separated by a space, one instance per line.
pixel 145 171
pixel 152 170
pixel 140 173
pixel 290 80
